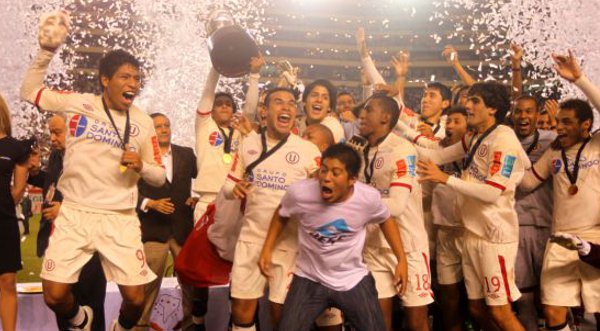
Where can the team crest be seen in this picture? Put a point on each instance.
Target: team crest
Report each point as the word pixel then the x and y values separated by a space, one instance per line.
pixel 215 139
pixel 482 151
pixel 134 131
pixel 379 163
pixel 292 157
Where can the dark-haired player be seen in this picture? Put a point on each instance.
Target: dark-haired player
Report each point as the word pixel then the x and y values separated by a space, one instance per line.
pixel 493 166
pixel 110 145
pixel 319 98
pixel 573 162
pixel 333 213
pixel 389 166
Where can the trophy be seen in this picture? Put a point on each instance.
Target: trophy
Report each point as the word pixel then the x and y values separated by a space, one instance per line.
pixel 230 47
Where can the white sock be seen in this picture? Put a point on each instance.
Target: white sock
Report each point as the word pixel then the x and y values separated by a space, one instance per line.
pixel 239 328
pixel 79 318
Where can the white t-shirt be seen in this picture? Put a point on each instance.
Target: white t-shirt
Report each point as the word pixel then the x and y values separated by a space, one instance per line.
pixel 210 148
pixel 331 237
pixel 581 211
pixel 394 164
pixel 444 209
pixel 294 161
pixel 535 208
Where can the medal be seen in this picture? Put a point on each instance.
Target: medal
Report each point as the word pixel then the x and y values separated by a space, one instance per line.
pixel 227 158
pixel 123 167
pixel 573 189
pixel 572 176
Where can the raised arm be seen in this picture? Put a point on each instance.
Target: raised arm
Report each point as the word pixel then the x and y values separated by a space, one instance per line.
pixel 516 57
pixel 400 64
pixel 445 155
pixel 252 95
pixel 451 56
pixel 53 31
pixel 207 99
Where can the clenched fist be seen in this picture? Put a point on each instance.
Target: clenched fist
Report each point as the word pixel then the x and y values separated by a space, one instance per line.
pixel 54 29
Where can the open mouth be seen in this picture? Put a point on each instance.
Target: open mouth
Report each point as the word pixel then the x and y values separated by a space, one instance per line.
pixel 129 96
pixel 326 192
pixel 284 118
pixel 523 125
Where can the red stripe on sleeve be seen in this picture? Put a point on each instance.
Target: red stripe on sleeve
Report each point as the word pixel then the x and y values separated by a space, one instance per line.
pixel 233 178
pixel 202 113
pixel 536 174
pixel 38 97
pixel 496 185
pixel 504 276
pixel 417 138
pixel 409 187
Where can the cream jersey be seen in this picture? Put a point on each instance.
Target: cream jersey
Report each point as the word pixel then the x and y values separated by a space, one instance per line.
pixel 331 122
pixel 444 199
pixel 535 208
pixel 210 148
pixel 581 211
pixel 394 164
pixel 91 176
pixel 297 159
pixel 499 163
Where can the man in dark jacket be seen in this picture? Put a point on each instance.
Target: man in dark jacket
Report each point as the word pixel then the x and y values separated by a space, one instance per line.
pixel 167 214
pixel 90 290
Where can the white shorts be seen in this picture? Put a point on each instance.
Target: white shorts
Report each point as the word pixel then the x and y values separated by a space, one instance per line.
pixel 530 257
pixel 449 249
pixel 382 262
pixel 78 233
pixel 566 279
pixel 248 283
pixel 489 270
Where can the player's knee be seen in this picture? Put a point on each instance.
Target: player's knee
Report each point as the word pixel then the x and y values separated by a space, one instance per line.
pixel 54 298
pixel 242 312
pixel 417 318
pixel 8 283
pixel 555 315
pixel 477 310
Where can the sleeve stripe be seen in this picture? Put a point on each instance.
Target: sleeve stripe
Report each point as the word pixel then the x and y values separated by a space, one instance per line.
pixel 536 174
pixel 202 113
pixel 496 185
pixel 409 187
pixel 38 97
pixel 417 138
pixel 233 178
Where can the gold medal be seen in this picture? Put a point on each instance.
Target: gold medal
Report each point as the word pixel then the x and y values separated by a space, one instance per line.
pixel 573 189
pixel 227 158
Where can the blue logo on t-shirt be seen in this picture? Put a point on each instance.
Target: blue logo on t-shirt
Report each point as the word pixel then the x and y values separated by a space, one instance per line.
pixel 331 233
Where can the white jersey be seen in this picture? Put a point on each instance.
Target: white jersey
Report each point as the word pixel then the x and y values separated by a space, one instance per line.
pixel 497 162
pixel 581 211
pixel 331 236
pixel 210 148
pixel 535 208
pixel 331 122
pixel 91 169
pixel 270 179
pixel 394 164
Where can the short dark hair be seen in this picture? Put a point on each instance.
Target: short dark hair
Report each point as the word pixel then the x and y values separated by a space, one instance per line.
pixel 277 89
pixel 331 90
pixel 457 110
pixel 494 95
pixel 527 97
pixel 345 93
pixel 325 131
pixel 157 114
pixel 388 105
pixel 229 96
pixel 346 155
pixel 583 110
pixel 112 61
pixel 457 91
pixel 443 89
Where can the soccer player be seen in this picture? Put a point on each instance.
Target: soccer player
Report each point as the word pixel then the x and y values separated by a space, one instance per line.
pixel 573 162
pixel 333 213
pixel 264 167
pixel 110 145
pixel 319 98
pixel 534 211
pixel 216 140
pixel 494 165
pixel 389 166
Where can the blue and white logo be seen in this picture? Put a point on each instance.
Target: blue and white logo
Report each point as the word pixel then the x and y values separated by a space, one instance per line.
pixel 332 232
